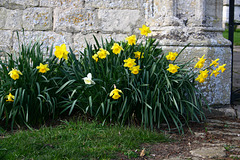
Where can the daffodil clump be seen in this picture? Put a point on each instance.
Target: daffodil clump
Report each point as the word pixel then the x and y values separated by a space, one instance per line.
pixel 203 74
pixel 117 81
pixel 29 83
pixel 134 79
pixel 172 57
pixel 102 54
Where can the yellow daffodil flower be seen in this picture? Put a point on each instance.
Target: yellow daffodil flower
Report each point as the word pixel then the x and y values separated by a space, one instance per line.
pixel 145 30
pixel 138 54
pixel 43 68
pixel 102 53
pixel 116 48
pixel 171 56
pixel 215 72
pixel 173 68
pixel 88 79
pixel 95 57
pixel 129 62
pixel 200 78
pixel 61 52
pixel 14 74
pixel 222 68
pixel 204 73
pixel 115 93
pixel 200 63
pixel 10 98
pixel 131 39
pixel 135 69
pixel 202 60
pixel 214 63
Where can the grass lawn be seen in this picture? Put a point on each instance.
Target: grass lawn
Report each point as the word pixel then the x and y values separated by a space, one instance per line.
pixel 236 36
pixel 76 140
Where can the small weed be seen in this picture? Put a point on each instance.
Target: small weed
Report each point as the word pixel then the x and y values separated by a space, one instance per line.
pixel 226 125
pixel 228 147
pixel 131 154
pixel 206 130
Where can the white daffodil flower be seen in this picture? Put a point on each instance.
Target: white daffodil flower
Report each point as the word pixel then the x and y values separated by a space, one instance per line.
pixel 88 79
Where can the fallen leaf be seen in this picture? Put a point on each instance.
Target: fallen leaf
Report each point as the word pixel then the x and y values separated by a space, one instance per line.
pixel 142 153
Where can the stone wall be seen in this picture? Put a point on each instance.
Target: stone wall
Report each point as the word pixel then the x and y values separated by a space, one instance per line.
pixel 68 21
pixel 174 22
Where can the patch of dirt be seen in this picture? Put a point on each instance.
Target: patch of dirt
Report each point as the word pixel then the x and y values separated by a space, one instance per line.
pixel 196 136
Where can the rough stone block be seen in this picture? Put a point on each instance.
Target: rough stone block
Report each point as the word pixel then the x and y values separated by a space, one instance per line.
pixel 116 4
pixel 14 19
pixel 3 15
pixel 37 19
pixel 5 37
pixel 21 4
pixel 213 15
pixel 46 37
pixel 4 49
pixel 2 3
pixel 74 19
pixel 5 40
pixel 80 44
pixel 213 152
pixel 119 20
pixel 62 3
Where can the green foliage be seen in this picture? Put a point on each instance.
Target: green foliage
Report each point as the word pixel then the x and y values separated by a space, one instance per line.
pixel 236 36
pixel 151 97
pixel 35 99
pixel 131 154
pixel 76 140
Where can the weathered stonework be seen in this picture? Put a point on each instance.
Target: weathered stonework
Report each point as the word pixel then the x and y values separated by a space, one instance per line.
pixel 112 20
pixel 46 37
pixel 10 19
pixel 2 3
pixel 5 40
pixel 114 4
pixel 174 23
pixel 75 20
pixel 3 15
pixel 20 4
pixel 37 19
pixel 14 19
pixel 62 3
